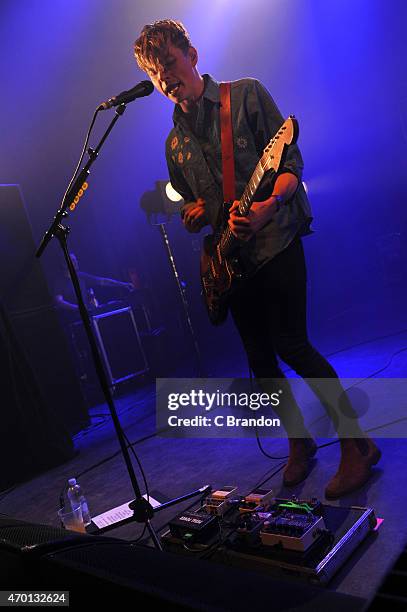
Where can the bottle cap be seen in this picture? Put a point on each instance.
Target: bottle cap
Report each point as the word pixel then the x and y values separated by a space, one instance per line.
pixel 72 482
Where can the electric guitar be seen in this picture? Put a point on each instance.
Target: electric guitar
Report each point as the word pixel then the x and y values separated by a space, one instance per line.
pixel 220 267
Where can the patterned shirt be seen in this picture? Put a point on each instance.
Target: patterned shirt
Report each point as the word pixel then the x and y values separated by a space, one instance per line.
pixel 193 153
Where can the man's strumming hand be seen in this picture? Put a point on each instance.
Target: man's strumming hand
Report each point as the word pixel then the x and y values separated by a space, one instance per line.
pixel 194 217
pixel 260 213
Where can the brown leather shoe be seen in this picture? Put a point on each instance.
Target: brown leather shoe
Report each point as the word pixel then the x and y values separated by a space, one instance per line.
pixel 298 465
pixel 357 458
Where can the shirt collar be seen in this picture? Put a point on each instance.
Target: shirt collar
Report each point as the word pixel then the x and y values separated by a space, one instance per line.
pixel 211 92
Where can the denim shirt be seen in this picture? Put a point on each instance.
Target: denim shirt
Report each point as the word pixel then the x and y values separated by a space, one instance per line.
pixel 195 166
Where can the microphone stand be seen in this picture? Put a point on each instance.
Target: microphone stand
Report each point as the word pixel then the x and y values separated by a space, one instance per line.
pixel 142 509
pixel 185 305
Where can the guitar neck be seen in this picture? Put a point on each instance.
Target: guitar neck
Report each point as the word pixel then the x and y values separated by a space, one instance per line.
pixel 227 240
pixel 247 198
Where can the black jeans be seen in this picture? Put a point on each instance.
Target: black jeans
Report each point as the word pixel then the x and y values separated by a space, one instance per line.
pixel 270 313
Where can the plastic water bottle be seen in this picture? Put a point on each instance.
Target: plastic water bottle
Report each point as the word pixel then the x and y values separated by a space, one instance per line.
pixel 76 496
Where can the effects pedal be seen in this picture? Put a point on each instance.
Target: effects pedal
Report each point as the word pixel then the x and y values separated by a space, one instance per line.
pixel 256 500
pixel 250 525
pixel 293 525
pixel 219 501
pixel 193 526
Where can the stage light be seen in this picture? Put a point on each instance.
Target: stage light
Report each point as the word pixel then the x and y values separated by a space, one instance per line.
pixel 164 201
pixel 172 195
pixel 171 199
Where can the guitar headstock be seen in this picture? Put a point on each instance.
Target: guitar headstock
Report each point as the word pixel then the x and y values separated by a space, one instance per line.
pixel 273 153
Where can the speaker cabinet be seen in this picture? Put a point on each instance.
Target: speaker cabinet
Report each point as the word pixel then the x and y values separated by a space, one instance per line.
pixel 29 306
pixel 98 570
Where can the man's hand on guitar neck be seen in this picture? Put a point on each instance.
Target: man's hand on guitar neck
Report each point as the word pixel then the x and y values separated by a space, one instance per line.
pixel 260 213
pixel 194 216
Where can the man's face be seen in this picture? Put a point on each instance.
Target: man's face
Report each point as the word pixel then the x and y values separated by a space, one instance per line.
pixel 174 76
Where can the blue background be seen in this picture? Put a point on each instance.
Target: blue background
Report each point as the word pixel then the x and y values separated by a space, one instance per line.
pixel 339 66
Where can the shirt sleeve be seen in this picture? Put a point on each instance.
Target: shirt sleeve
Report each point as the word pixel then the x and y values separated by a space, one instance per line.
pixel 179 182
pixel 265 119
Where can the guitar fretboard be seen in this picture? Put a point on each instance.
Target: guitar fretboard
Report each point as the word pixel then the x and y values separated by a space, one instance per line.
pixel 228 241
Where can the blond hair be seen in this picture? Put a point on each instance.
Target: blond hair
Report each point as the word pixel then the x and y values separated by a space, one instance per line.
pixel 154 39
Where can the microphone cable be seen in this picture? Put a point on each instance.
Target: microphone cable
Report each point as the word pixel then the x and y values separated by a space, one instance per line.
pixel 87 137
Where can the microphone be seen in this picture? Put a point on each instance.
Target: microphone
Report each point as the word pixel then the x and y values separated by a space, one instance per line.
pixel 144 88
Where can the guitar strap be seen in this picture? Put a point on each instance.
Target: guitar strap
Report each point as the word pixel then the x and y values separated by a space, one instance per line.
pixel 226 136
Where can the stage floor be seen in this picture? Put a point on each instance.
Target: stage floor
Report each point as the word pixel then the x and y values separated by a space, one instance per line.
pixel 176 466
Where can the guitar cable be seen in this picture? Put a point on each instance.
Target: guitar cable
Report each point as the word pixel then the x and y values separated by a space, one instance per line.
pixel 336 441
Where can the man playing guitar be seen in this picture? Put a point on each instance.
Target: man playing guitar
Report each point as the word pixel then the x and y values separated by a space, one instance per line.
pixel 269 307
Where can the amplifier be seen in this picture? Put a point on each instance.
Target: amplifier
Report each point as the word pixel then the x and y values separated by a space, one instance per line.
pixel 119 344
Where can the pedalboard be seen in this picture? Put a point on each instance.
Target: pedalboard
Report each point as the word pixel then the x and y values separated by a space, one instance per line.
pixel 303 538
